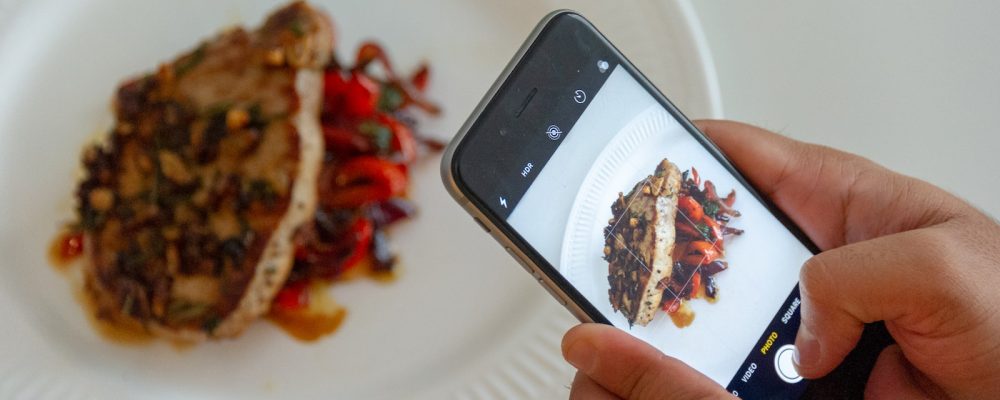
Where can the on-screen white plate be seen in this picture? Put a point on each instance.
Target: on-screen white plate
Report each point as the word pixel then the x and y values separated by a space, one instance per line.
pixel 461 321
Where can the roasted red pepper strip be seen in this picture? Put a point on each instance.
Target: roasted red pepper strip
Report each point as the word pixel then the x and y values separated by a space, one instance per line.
pixel 714 230
pixel 369 52
pixel 685 229
pixel 402 138
pixel 696 289
pixel 700 252
pixel 334 84
pixel 363 180
pixel 294 296
pixel 362 231
pixel 671 306
pixel 690 208
pixel 355 97
pixel 342 140
pixel 361 96
pixel 420 77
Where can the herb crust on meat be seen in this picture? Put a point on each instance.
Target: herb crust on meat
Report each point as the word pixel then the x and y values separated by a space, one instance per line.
pixel 189 208
pixel 639 241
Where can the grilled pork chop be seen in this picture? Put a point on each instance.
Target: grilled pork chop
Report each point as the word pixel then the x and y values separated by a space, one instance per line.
pixel 190 208
pixel 639 242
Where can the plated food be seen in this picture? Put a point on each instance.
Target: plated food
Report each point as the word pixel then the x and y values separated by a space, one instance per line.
pixel 665 243
pixel 242 177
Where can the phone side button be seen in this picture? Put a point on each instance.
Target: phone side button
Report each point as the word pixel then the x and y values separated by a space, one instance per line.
pixel 520 261
pixel 481 224
pixel 552 292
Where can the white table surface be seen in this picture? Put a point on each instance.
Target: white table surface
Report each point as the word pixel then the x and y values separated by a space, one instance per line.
pixel 914 86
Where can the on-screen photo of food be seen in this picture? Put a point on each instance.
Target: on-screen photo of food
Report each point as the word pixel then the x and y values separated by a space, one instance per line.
pixel 658 235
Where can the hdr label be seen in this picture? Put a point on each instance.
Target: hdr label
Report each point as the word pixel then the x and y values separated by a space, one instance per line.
pixel 527 169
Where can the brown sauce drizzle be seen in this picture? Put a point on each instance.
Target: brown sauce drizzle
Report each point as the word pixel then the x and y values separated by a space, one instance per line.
pixel 320 318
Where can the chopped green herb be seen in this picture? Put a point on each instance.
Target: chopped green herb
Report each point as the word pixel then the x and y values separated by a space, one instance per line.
pixel 703 229
pixel 180 311
pixel 260 190
pixel 211 323
pixel 711 209
pixel 191 61
pixel 298 28
pixel 217 109
pixel 380 135
pixel 90 219
pixel 127 304
pixel 257 119
pixel 391 98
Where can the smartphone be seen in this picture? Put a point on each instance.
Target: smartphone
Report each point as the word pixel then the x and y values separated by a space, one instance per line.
pixel 627 214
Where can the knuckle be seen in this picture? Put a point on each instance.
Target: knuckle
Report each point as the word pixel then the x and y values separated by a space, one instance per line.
pixel 943 258
pixel 816 276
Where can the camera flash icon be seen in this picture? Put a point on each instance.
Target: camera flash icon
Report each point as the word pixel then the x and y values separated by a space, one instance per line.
pixel 602 66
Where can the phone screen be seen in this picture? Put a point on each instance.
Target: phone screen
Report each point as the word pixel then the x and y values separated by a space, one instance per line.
pixel 610 188
pixel 627 181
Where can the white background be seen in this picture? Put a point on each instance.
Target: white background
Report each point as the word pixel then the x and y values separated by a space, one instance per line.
pixel 912 85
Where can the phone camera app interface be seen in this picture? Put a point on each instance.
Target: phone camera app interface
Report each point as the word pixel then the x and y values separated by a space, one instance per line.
pixel 664 241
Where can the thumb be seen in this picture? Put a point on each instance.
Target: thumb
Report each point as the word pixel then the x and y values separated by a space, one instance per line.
pixel 891 278
pixel 631 369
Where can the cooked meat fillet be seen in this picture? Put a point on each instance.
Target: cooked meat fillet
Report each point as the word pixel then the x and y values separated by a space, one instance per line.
pixel 639 243
pixel 190 207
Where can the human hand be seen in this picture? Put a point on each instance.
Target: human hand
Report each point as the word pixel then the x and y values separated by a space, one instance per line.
pixel 895 249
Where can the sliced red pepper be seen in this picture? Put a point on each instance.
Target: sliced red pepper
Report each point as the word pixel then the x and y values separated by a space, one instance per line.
pixel 420 77
pixel 301 252
pixel 700 252
pixel 671 306
pixel 333 84
pixel 370 51
pixel 685 229
pixel 361 96
pixel 696 289
pixel 730 198
pixel 363 180
pixel 343 140
pixel 294 296
pixel 362 231
pixel 690 208
pixel 402 139
pixel 714 230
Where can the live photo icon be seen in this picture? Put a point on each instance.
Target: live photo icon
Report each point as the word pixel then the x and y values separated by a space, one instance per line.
pixel 602 66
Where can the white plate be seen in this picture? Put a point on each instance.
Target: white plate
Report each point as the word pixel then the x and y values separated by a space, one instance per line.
pixel 461 322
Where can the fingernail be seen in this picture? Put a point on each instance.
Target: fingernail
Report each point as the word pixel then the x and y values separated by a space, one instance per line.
pixel 582 355
pixel 806 352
